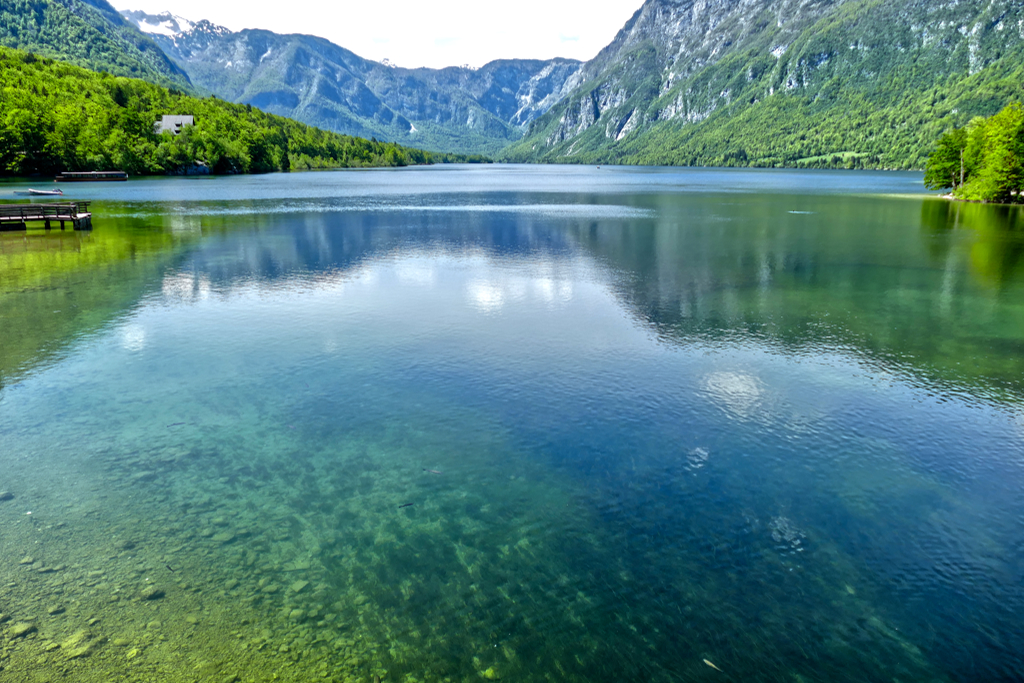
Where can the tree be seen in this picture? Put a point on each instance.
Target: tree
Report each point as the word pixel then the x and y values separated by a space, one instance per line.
pixel 945 167
pixel 1000 177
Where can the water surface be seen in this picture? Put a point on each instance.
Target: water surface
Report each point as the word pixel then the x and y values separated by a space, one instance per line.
pixel 516 423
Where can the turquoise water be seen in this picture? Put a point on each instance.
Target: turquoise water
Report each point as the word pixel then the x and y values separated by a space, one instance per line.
pixel 514 423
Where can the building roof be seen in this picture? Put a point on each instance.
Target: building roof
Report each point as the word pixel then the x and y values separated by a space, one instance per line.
pixel 173 123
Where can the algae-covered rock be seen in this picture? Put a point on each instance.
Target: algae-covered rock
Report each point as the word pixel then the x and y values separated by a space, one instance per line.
pixel 77 639
pixel 298 586
pixel 21 629
pixel 80 644
pixel 152 593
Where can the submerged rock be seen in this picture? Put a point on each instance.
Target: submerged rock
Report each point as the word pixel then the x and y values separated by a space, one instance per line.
pixel 152 593
pixel 6 495
pixel 77 639
pixel 21 629
pixel 223 537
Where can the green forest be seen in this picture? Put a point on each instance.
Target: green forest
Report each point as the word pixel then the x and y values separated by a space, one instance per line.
pixel 982 161
pixel 88 34
pixel 56 117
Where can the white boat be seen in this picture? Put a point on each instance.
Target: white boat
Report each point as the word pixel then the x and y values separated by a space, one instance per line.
pixel 36 193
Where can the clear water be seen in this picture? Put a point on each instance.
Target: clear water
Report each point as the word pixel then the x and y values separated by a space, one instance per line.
pixel 514 423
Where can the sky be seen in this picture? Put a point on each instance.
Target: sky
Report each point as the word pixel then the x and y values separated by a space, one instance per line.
pixel 432 33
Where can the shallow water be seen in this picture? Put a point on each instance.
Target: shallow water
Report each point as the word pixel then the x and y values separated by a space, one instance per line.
pixel 516 423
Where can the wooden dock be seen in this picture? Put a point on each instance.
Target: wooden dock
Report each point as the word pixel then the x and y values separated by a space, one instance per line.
pixel 19 216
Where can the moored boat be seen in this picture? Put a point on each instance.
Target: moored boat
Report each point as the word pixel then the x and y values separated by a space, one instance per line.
pixel 36 193
pixel 90 176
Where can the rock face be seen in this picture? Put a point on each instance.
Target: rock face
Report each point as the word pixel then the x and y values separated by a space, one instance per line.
pixel 312 80
pixel 707 81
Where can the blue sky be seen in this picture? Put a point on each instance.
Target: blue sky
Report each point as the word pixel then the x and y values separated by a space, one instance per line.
pixel 424 33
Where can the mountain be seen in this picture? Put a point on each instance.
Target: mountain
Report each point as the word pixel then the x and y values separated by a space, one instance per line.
pixel 88 33
pixel 312 80
pixel 856 83
pixel 58 117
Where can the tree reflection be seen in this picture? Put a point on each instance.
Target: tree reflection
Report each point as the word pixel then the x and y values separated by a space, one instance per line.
pixel 997 247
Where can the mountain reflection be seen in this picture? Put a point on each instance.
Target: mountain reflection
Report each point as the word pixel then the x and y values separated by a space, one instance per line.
pixel 800 273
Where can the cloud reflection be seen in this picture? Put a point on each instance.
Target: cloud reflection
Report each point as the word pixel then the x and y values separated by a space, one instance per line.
pixel 185 286
pixel 738 393
pixel 133 337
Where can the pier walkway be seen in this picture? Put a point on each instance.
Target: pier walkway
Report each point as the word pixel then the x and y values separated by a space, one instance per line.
pixel 18 216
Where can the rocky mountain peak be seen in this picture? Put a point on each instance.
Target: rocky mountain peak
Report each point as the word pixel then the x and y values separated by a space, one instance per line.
pixel 170 25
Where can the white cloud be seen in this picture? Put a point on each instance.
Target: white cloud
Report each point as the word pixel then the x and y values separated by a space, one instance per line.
pixel 413 33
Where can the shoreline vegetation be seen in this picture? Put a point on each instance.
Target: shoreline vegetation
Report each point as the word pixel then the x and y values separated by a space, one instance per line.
pixel 983 161
pixel 58 117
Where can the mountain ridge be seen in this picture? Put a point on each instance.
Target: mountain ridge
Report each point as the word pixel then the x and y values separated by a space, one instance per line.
pixel 315 81
pixel 860 83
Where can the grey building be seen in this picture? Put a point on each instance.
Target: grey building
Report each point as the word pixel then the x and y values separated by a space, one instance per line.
pixel 173 123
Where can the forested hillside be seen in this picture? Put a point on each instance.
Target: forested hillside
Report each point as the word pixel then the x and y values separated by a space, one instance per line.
pixel 89 33
pixel 823 83
pixel 55 116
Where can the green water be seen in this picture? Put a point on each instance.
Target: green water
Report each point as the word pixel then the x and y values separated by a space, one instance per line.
pixel 514 423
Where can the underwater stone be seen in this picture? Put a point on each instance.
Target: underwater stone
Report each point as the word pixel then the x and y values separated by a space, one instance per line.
pixel 21 629
pixel 28 559
pixel 223 537
pixel 84 650
pixel 55 609
pixel 6 495
pixel 76 640
pixel 152 593
pixel 298 586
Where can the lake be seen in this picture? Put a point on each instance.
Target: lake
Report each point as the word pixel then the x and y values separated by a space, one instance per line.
pixel 515 423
